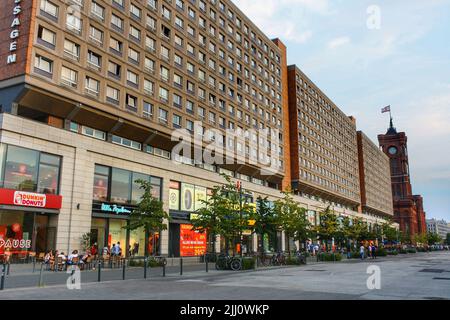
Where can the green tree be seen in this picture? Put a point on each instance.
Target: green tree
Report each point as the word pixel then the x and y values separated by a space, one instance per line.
pixel 226 213
pixel 267 221
pixel 448 239
pixel 389 233
pixel 208 218
pixel 328 227
pixel 293 219
pixel 433 238
pixel 238 212
pixel 149 213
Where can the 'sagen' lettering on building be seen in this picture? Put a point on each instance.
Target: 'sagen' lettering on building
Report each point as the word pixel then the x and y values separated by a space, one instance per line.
pixel 15 32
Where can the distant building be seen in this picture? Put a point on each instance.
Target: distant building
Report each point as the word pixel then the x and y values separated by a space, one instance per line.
pixel 441 227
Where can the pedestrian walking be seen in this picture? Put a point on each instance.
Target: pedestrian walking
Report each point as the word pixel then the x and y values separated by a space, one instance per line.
pixel 374 252
pixel 361 252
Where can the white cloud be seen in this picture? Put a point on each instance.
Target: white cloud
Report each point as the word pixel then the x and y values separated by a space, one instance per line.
pixel 337 42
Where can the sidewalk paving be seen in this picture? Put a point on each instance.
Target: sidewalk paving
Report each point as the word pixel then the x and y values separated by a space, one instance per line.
pixel 22 276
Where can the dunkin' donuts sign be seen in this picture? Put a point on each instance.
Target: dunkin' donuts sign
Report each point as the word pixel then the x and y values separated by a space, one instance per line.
pixel 29 199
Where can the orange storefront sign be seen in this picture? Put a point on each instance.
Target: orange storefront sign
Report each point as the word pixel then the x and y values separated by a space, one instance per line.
pixel 192 243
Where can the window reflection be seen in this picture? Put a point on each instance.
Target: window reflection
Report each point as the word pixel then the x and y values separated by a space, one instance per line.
pixel 29 170
pixel 21 169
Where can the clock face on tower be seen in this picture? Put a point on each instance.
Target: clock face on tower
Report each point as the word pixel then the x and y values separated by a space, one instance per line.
pixel 392 150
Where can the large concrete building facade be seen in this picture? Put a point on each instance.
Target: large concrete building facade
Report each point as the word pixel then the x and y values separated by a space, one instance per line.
pixel 375 178
pixel 91 92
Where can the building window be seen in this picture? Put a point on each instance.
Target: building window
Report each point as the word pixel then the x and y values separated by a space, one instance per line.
pixel 71 49
pixel 97 10
pixel 69 77
pixel 96 35
pixel 92 86
pixel 30 170
pixel 112 94
pixel 132 102
pixel 73 23
pixel 176 121
pixel 49 8
pixel 163 116
pixel 43 64
pixel 123 186
pixel 46 37
pixel 126 142
pixel 147 110
pixel 94 59
pixel 101 183
pixel 94 133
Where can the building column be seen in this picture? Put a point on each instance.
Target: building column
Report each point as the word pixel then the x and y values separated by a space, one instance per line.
pixel 283 241
pixel 255 242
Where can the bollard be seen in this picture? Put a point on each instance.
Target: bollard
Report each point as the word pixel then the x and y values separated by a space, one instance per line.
pixel 8 267
pixel 206 260
pixel 145 267
pixel 255 266
pixel 34 264
pixel 181 266
pixel 72 274
pixel 123 269
pixel 2 282
pixel 164 270
pixel 99 271
pixel 41 275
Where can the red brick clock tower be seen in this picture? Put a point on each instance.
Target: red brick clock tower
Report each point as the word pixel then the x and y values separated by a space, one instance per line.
pixel 408 208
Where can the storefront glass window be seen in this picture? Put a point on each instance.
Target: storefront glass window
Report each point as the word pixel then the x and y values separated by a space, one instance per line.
pixel 137 192
pixel 137 242
pixel 98 230
pixel 48 174
pixel 156 184
pixel 21 169
pixel 101 180
pixel 23 231
pixel 117 233
pixel 120 186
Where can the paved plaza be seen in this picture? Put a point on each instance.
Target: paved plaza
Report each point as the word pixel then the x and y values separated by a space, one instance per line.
pixel 412 276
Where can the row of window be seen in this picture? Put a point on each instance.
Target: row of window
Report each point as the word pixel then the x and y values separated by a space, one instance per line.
pixel 122 186
pixel 97 36
pixel 70 77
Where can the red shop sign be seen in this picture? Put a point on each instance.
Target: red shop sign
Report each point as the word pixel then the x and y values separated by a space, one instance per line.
pixel 30 199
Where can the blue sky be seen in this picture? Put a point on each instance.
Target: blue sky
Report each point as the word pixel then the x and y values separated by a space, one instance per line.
pixel 405 63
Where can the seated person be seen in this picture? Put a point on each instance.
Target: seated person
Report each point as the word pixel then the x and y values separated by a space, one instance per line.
pixel 71 257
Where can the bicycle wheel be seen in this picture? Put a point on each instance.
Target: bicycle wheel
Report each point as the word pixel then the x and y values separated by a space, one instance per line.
pixel 236 264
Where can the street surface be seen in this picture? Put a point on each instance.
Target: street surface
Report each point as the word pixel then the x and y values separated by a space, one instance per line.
pixel 411 276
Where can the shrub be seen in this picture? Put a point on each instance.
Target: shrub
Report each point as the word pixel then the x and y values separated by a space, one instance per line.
pixel 392 252
pixel 411 250
pixel 381 252
pixel 292 261
pixel 325 256
pixel 248 263
pixel 403 251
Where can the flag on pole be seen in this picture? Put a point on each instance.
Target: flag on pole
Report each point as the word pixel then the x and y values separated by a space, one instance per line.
pixel 386 109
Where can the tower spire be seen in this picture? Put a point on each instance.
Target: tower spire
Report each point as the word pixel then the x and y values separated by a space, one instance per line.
pixel 391 129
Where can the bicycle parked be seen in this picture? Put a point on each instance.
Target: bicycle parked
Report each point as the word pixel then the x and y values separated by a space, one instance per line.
pixel 228 262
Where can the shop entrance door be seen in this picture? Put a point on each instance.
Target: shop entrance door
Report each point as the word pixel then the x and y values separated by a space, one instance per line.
pixel 174 240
